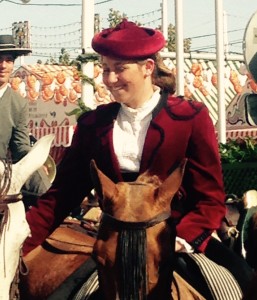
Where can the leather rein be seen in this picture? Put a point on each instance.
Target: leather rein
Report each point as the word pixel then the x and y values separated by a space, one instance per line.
pixel 5 186
pixel 7 199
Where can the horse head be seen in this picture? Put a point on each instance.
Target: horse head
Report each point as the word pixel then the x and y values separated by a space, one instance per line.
pixel 136 240
pixel 13 225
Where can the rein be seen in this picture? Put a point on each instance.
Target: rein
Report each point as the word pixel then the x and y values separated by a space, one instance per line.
pixel 131 253
pixel 7 199
pixel 229 231
pixel 4 214
pixel 4 201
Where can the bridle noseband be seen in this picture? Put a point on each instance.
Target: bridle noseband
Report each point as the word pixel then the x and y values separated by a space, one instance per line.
pixel 118 225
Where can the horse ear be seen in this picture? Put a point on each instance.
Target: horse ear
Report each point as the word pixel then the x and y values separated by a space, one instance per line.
pixel 31 162
pixel 171 184
pixel 104 186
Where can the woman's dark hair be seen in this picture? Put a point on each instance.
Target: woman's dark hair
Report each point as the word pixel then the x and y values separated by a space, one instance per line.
pixel 163 76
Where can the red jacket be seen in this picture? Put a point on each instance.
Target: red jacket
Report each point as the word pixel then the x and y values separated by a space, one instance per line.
pixel 179 129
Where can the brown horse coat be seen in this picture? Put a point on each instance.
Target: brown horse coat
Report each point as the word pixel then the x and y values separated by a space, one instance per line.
pixel 126 207
pixel 53 262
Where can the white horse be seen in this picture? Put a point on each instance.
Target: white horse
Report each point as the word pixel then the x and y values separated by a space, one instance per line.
pixel 14 228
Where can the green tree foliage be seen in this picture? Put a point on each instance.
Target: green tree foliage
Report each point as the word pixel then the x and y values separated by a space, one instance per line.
pixel 115 17
pixel 240 150
pixel 64 58
pixel 171 42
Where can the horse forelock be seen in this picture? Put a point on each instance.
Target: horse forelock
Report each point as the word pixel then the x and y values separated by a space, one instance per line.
pixel 146 178
pixel 131 250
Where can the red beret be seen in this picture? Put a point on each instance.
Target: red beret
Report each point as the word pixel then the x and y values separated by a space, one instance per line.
pixel 128 41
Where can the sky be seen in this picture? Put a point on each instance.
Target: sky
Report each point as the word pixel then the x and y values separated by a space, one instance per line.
pixel 56 24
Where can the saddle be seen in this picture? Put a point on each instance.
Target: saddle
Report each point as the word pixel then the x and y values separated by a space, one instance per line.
pixel 71 237
pixel 62 253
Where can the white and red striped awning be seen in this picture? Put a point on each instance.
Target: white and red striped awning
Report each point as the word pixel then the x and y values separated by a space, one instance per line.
pixel 240 133
pixel 63 134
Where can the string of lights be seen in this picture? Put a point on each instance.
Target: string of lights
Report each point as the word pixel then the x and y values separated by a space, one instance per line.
pixel 56 27
pixel 37 38
pixel 49 40
pixel 213 46
pixel 51 4
pixel 6 29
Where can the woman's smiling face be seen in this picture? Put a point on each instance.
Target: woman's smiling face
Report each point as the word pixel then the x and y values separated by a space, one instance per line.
pixel 128 81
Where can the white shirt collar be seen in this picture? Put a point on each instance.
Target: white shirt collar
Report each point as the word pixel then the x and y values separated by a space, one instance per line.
pixel 129 133
pixel 137 114
pixel 2 91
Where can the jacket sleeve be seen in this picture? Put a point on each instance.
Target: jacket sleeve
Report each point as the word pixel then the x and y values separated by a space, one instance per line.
pixel 203 183
pixel 19 144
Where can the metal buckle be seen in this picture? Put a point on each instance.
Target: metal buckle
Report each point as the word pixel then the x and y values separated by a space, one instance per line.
pixel 233 232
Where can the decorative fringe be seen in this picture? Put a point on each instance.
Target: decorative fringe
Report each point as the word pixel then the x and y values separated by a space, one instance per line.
pixel 132 255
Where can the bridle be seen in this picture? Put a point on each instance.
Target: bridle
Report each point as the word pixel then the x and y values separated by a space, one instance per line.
pixel 229 232
pixel 118 224
pixel 5 200
pixel 131 252
pixel 4 214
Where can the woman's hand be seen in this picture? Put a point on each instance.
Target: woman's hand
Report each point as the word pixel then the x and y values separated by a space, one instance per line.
pixel 178 247
pixel 182 246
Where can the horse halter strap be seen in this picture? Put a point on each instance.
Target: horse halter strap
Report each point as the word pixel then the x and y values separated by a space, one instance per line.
pixel 4 201
pixel 119 224
pixel 7 199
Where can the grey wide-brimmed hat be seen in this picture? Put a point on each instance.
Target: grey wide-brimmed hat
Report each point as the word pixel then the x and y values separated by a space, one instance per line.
pixel 7 45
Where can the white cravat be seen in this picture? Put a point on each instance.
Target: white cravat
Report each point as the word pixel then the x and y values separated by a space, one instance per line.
pixel 129 133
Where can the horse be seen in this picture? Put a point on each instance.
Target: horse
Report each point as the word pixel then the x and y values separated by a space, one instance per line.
pixel 69 253
pixel 249 228
pixel 13 225
pixel 136 238
pixel 249 239
pixel 239 232
pixel 239 227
